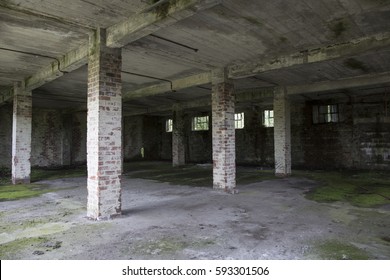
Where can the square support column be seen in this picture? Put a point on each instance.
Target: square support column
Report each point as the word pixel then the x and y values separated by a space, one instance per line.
pixel 21 135
pixel 104 129
pixel 178 137
pixel 282 132
pixel 224 137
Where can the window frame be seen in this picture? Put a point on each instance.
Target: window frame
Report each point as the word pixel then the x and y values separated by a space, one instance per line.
pixel 169 125
pixel 268 120
pixel 197 124
pixel 325 114
pixel 239 123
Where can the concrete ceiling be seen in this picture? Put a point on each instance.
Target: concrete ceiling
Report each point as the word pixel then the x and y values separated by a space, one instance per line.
pixel 307 45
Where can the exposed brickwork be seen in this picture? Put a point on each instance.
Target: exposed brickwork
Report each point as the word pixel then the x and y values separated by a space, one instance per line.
pixel 178 137
pixel 21 135
pixel 133 140
pixel 6 135
pixel 282 133
pixel 224 146
pixel 104 132
pixel 46 139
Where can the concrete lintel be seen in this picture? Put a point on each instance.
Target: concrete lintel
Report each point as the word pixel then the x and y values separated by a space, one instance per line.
pixel 66 63
pixel 178 84
pixel 160 16
pixel 321 54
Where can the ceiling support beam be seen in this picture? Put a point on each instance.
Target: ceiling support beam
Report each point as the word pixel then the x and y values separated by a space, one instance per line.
pixel 66 63
pixel 257 94
pixel 322 54
pixel 355 82
pixel 174 85
pixel 158 17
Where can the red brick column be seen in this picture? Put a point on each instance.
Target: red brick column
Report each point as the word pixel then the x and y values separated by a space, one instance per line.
pixel 104 133
pixel 224 140
pixel 178 137
pixel 21 135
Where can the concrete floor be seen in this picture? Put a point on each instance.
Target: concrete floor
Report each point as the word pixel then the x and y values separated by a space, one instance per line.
pixel 268 219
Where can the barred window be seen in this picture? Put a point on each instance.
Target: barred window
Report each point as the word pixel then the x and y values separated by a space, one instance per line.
pixel 200 123
pixel 325 114
pixel 239 120
pixel 268 118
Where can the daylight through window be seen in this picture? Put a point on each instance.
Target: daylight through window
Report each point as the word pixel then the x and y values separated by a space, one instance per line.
pixel 268 118
pixel 239 120
pixel 200 123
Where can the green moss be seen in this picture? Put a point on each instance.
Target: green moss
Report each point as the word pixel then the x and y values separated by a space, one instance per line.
pixel 11 250
pixel 14 192
pixel 362 189
pixel 337 250
pixel 38 174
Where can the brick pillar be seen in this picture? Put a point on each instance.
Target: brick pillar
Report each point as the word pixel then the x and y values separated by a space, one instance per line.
pixel 104 132
pixel 178 137
pixel 282 133
pixel 224 143
pixel 21 135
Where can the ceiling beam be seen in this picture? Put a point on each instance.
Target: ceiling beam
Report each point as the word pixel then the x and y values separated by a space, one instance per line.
pixel 66 63
pixel 355 82
pixel 162 14
pixel 322 54
pixel 174 85
pixel 242 95
pixel 256 94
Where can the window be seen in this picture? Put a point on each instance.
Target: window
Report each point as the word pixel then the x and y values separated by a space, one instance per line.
pixel 239 120
pixel 268 118
pixel 168 125
pixel 326 114
pixel 200 123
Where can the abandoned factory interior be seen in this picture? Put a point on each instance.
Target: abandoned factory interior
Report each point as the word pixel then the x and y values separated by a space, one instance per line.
pixel 195 129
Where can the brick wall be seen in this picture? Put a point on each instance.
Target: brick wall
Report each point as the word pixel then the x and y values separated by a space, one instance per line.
pixel 5 135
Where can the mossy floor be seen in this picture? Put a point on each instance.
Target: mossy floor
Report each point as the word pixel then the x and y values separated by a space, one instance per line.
pixel 359 188
pixel 14 192
pixel 175 214
pixel 337 250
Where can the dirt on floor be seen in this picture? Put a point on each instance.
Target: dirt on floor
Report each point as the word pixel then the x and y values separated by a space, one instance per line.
pixel 173 213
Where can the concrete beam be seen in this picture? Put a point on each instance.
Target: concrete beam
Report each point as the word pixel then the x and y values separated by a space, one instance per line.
pixel 178 84
pixel 336 51
pixel 66 63
pixel 243 95
pixel 160 15
pixel 360 81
